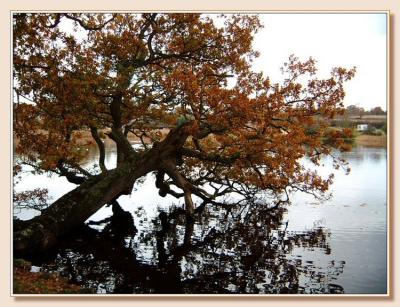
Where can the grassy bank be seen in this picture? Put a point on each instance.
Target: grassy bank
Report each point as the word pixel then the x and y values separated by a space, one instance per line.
pixel 371 140
pixel 27 282
pixel 84 137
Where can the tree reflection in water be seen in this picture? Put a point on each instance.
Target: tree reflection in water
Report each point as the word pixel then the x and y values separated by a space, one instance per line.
pixel 238 249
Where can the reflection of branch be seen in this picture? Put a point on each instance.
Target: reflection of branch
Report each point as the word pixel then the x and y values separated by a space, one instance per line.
pixel 103 221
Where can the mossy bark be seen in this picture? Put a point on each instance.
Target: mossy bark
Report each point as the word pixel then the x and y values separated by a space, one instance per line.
pixel 72 209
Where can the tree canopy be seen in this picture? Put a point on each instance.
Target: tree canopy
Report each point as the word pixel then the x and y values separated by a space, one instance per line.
pixel 230 129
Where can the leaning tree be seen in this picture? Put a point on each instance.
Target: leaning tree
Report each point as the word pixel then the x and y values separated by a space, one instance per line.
pixel 230 130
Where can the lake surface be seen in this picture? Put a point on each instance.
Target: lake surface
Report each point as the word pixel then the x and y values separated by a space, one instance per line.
pixel 338 246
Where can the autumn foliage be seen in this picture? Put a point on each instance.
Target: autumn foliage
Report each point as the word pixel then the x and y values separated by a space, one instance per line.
pixel 27 282
pixel 231 130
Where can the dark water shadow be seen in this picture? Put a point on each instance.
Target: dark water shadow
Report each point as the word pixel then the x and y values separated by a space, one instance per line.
pixel 245 249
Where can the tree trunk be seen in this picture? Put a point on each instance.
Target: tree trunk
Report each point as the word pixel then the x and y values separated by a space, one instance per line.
pixel 75 207
pixel 71 210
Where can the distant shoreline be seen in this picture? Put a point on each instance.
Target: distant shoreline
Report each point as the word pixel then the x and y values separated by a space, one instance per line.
pixel 361 139
pixel 371 140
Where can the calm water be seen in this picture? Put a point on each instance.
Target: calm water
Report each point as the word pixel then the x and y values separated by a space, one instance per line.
pixel 338 246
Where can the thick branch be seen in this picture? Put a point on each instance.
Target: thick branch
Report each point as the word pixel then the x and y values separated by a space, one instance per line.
pixel 56 21
pixel 100 145
pixel 115 110
pixel 71 177
pixel 164 188
pixel 124 148
pixel 188 188
pixel 88 27
pixel 147 24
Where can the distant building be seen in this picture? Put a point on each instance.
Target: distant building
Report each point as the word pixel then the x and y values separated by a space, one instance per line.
pixel 362 127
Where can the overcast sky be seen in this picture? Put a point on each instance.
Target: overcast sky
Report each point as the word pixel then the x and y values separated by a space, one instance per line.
pixel 345 40
pixel 333 39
